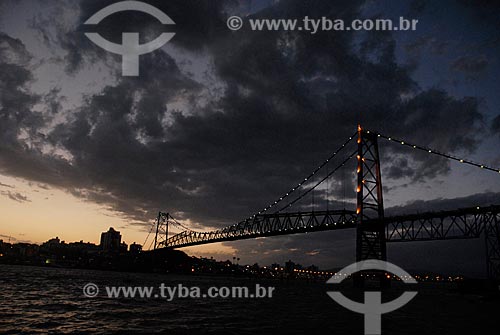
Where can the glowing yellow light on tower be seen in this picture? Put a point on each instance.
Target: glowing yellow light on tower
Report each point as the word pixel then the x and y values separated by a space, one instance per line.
pixel 358 210
pixel 358 189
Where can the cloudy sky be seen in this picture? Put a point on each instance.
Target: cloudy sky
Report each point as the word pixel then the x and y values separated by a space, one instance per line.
pixel 220 123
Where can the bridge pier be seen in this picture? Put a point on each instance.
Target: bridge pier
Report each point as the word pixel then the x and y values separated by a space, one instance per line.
pixel 370 228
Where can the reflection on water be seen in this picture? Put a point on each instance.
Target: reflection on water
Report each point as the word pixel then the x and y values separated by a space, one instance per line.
pixel 50 300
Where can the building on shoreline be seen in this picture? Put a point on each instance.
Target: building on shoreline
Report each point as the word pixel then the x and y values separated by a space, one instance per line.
pixel 111 240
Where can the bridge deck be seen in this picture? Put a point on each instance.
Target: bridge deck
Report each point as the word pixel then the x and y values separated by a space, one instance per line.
pixel 453 224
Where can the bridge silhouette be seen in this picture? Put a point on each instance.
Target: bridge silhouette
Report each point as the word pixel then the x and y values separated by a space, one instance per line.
pixel 373 228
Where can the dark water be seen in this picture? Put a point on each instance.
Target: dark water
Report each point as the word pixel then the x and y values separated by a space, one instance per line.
pixel 50 301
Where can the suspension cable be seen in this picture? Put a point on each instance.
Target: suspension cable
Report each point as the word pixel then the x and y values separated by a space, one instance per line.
pixel 436 152
pixel 327 197
pixel 293 189
pixel 318 183
pixel 179 224
pixel 150 231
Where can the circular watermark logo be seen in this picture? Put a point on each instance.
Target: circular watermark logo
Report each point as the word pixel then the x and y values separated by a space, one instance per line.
pixel 372 308
pixel 90 290
pixel 130 49
pixel 234 22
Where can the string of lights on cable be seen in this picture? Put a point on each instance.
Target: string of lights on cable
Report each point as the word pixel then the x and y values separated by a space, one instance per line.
pixel 435 152
pixel 319 182
pixel 293 189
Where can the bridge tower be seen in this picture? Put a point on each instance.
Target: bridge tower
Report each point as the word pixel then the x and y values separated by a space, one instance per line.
pixel 370 227
pixel 161 235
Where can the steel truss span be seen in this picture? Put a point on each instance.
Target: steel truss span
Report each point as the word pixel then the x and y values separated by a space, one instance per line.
pixel 441 225
pixel 455 224
pixel 269 225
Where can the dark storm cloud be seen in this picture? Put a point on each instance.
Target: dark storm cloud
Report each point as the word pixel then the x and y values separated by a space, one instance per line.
pixel 16 115
pixel 16 196
pixel 21 139
pixel 495 125
pixel 289 100
pixel 470 65
pixel 483 11
pixel 420 44
pixel 400 168
pixel 418 6
pixel 12 50
pixel 482 199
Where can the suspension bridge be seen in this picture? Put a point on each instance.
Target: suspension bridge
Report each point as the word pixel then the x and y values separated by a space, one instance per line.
pixel 373 228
